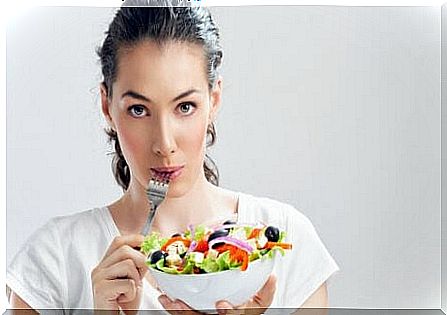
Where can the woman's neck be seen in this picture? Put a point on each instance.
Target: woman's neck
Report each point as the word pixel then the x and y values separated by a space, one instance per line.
pixel 202 203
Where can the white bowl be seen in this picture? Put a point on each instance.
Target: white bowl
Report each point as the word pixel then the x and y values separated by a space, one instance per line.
pixel 202 291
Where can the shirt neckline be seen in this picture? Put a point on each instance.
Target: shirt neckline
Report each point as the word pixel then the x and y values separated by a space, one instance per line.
pixel 114 231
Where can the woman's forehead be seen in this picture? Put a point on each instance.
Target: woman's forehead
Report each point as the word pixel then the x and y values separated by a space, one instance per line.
pixel 172 67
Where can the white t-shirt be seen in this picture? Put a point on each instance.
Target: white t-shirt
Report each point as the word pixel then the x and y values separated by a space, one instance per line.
pixel 52 270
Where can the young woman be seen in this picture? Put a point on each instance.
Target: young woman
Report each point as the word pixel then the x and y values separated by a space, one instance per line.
pixel 160 96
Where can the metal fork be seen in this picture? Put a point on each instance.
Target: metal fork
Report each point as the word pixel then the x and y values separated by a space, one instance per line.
pixel 156 193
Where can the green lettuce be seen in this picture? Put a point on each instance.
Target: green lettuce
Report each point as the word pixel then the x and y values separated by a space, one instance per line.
pixel 209 265
pixel 254 255
pixel 199 233
pixel 272 252
pixel 282 236
pixel 173 270
pixel 152 243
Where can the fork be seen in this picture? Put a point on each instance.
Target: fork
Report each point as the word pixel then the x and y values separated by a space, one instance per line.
pixel 156 193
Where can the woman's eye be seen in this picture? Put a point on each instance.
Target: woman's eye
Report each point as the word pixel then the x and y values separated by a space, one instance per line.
pixel 137 110
pixel 186 108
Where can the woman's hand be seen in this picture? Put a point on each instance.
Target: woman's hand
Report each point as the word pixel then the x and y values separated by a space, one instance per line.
pixel 117 279
pixel 256 305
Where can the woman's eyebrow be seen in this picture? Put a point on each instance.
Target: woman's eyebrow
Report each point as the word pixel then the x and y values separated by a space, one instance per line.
pixel 136 95
pixel 141 97
pixel 189 92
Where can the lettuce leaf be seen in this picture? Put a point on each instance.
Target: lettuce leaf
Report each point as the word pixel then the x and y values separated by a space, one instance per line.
pixel 199 233
pixel 189 266
pixel 152 243
pixel 209 265
pixel 275 249
pixel 254 255
pixel 282 236
pixel 223 260
pixel 160 266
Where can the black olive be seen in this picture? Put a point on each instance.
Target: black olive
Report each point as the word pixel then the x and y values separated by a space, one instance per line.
pixel 157 255
pixel 176 234
pixel 272 234
pixel 216 234
pixel 182 255
pixel 229 222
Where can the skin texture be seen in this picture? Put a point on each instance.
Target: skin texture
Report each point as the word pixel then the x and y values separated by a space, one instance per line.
pixel 156 127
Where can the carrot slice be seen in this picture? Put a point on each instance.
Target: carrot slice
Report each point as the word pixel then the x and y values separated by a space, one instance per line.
pixel 225 247
pixel 270 245
pixel 254 233
pixel 244 261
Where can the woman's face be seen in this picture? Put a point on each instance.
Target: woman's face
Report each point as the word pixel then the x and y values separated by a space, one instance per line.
pixel 160 108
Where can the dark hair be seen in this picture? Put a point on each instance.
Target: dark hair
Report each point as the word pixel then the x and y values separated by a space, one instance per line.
pixel 137 21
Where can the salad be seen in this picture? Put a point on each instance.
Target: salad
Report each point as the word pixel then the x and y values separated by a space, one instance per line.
pixel 204 249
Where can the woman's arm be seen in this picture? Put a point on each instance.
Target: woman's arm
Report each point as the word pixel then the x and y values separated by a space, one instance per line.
pixel 319 299
pixel 19 306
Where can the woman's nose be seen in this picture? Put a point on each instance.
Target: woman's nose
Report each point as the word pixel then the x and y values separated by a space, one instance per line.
pixel 164 140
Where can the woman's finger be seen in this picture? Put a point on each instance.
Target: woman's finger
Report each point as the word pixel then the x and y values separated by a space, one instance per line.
pixel 258 303
pixel 133 240
pixel 130 295
pixel 123 270
pixel 264 297
pixel 123 253
pixel 224 307
pixel 175 307
pixel 114 291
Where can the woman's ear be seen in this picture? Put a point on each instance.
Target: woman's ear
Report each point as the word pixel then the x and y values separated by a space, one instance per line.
pixel 215 97
pixel 105 106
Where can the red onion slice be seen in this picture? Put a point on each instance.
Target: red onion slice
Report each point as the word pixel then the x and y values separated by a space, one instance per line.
pixel 192 230
pixel 232 241
pixel 192 246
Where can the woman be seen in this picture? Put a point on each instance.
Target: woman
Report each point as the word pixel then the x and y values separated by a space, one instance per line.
pixel 160 96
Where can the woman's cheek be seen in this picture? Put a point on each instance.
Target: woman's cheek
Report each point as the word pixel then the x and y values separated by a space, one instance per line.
pixel 196 138
pixel 132 146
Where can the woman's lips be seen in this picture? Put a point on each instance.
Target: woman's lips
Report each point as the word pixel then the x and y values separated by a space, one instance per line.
pixel 170 173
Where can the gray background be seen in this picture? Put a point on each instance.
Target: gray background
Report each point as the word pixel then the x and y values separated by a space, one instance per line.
pixel 444 156
pixel 332 109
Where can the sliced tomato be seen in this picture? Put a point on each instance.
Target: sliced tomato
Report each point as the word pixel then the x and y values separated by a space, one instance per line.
pixel 202 246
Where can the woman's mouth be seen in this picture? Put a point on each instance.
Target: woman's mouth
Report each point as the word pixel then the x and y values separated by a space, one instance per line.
pixel 167 173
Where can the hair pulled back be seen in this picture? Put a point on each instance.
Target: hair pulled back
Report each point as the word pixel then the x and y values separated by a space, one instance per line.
pixel 162 22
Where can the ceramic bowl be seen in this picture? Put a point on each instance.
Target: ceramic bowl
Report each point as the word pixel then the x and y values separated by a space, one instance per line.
pixel 202 291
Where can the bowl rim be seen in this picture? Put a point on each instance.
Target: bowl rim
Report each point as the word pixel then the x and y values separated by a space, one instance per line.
pixel 196 275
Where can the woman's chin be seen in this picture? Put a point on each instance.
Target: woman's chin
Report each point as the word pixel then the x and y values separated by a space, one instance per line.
pixel 175 190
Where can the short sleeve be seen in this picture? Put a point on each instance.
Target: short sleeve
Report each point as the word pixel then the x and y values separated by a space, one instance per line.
pixel 36 273
pixel 308 265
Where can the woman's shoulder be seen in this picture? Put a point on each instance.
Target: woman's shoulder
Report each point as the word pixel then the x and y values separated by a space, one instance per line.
pixel 271 210
pixel 82 217
pixel 82 221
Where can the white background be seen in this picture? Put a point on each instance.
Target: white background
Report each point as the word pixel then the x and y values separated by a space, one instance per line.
pixel 332 109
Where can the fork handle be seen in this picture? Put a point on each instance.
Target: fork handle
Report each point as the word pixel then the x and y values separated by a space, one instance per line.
pixel 147 226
